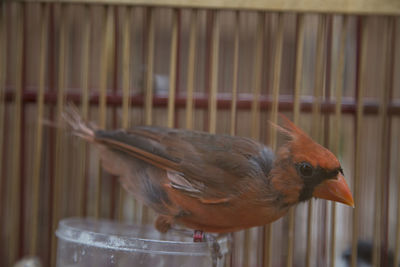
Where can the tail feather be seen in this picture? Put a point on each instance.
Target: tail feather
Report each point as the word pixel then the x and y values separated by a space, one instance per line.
pixel 79 126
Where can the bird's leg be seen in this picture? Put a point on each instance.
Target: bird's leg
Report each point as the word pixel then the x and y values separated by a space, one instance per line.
pixel 200 236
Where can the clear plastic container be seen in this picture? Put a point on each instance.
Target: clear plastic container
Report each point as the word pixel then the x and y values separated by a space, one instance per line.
pixel 90 242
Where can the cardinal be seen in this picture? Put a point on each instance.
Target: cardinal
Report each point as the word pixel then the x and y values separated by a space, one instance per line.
pixel 215 183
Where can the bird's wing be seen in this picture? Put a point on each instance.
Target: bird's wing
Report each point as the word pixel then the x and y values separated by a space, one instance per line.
pixel 213 168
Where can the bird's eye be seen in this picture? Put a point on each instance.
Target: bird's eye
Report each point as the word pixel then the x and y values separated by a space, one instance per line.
pixel 305 169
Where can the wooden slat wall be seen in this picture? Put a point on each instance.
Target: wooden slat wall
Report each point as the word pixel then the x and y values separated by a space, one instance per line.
pixel 224 71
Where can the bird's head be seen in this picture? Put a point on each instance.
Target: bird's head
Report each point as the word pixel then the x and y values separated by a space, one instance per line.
pixel 304 169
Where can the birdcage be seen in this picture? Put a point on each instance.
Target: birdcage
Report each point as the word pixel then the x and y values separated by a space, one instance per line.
pixel 219 66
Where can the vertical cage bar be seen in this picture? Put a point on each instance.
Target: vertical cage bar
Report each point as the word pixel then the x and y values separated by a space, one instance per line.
pixel 149 87
pixel 255 109
pixel 126 73
pixel 15 197
pixel 274 119
pixel 52 133
pixel 59 155
pixel 141 211
pixel 397 243
pixel 191 69
pixel 84 110
pixel 390 74
pixel 296 116
pixel 212 109
pixel 309 233
pixel 149 71
pixel 172 69
pixel 105 60
pixel 318 79
pixel 115 186
pixel 276 80
pixel 316 114
pixel 381 240
pixel 257 76
pixel 126 70
pixel 324 226
pixel 39 131
pixel 299 67
pixel 235 71
pixel 359 124
pixel 3 62
pixel 255 113
pixel 381 164
pixel 337 125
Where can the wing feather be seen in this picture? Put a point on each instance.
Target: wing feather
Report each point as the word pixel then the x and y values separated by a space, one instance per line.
pixel 210 167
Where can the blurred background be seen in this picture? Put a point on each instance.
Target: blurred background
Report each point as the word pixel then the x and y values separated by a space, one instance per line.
pixel 219 66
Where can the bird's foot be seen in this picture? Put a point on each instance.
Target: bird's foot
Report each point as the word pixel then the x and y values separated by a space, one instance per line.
pixel 200 236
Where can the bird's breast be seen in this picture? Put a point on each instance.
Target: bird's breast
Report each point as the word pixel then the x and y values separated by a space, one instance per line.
pixel 223 217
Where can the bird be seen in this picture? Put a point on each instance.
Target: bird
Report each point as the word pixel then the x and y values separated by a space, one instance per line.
pixel 213 182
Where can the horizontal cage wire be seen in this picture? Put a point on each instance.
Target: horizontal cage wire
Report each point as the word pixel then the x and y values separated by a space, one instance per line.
pixel 331 68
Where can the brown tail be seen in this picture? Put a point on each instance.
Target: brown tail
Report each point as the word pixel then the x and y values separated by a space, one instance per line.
pixel 79 126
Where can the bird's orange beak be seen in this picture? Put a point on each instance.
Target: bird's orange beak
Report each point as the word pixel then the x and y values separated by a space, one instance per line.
pixel 335 190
